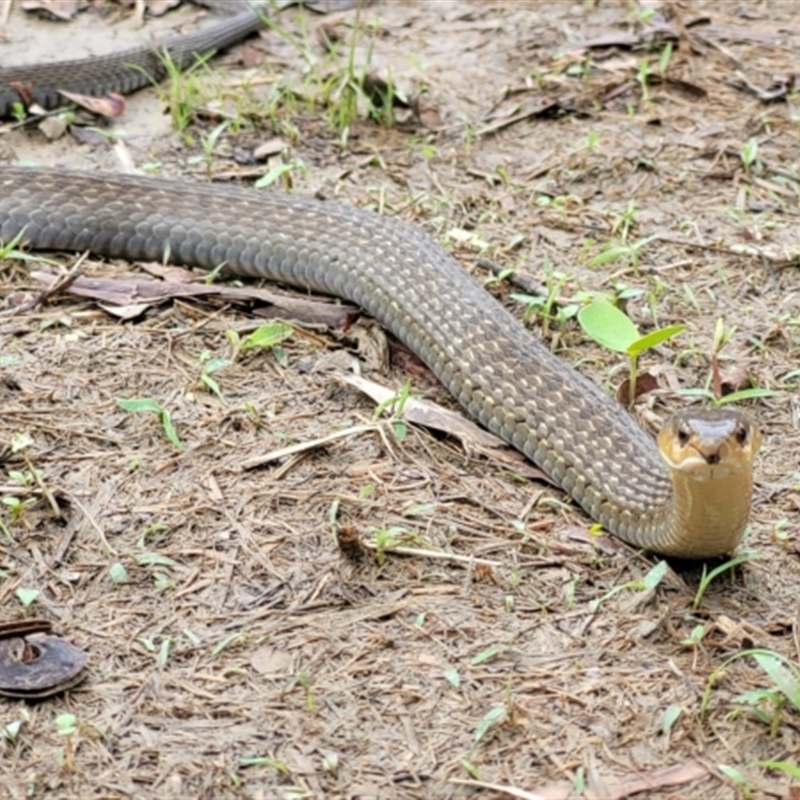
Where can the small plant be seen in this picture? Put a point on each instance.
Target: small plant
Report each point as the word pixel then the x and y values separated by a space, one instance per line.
pixel 209 143
pixel 712 391
pixel 20 444
pixel 644 584
pixel 396 404
pixel 785 676
pixel 621 250
pixel 268 335
pixel 185 90
pixel 385 538
pixel 212 364
pixel 642 77
pixel 609 327
pixel 301 679
pixel 281 172
pixel 17 508
pixel 735 775
pixel 27 596
pixel 547 307
pixel 66 726
pixel 707 577
pixel 663 61
pixel 145 405
pixel 749 155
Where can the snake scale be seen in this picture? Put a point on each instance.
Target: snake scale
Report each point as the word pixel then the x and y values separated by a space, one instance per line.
pixel 491 364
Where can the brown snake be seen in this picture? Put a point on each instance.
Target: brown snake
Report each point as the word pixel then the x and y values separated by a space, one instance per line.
pixel 696 507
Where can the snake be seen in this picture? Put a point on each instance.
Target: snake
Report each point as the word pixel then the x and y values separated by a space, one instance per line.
pixel 687 494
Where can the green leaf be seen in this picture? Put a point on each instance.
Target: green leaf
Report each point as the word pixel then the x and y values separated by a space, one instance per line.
pixel 653 338
pixel 453 678
pixel 263 761
pixel 169 430
pixel 670 718
pixel 612 254
pixel 65 723
pixel 489 719
pixel 26 596
pixel 155 559
pixel 734 774
pixel 655 575
pixel 400 430
pixel 139 404
pixel 267 335
pixel 272 175
pixel 783 678
pixel 608 326
pixel 118 574
pixel 486 655
pixel 784 766
pixel 213 364
pixel 746 394
pixel 19 441
pixel 419 509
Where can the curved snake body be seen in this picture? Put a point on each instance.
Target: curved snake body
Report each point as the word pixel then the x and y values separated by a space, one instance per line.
pixel 490 363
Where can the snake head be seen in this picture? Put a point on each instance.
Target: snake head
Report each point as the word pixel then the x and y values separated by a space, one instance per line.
pixel 706 444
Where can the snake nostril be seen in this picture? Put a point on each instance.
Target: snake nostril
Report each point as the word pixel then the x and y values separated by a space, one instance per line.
pixel 711 458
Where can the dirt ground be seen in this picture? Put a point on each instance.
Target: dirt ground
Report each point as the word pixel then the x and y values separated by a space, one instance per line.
pixel 647 150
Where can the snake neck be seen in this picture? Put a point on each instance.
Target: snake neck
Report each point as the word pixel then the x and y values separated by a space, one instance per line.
pixel 709 516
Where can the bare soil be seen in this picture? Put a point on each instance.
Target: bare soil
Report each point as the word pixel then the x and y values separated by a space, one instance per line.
pixel 247 654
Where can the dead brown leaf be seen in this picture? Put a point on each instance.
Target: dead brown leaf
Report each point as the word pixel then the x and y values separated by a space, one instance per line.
pixel 63 10
pixel 109 105
pixel 269 660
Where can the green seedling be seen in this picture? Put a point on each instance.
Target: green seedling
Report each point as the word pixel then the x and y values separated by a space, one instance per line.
pixel 785 676
pixel 707 577
pixel 185 90
pixel 10 731
pixel 20 444
pixel 712 391
pixel 66 726
pixel 281 172
pixel 301 679
pixel 749 155
pixel 264 761
pixel 547 307
pixel 609 327
pixel 209 143
pixel 145 405
pixel 396 405
pixel 644 584
pixel 642 78
pixel 663 61
pixel 268 335
pixel 671 716
pixel 492 718
pixel 17 507
pixel 210 365
pixel 385 538
pixel 27 596
pixel 735 775
pixel 624 250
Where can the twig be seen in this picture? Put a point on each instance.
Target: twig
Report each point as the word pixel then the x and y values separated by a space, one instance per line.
pixel 59 284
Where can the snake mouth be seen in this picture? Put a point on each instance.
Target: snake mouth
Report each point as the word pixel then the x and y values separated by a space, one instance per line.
pixel 708 467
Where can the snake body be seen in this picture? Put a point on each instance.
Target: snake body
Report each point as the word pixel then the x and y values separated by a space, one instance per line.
pixel 123 71
pixel 490 363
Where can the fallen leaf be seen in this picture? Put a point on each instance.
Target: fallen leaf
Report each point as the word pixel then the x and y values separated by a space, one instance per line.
pixel 57 9
pixel 269 660
pixel 109 105
pixel 645 382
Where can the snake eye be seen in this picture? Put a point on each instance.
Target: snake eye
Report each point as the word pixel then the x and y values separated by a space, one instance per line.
pixel 741 434
pixel 683 436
